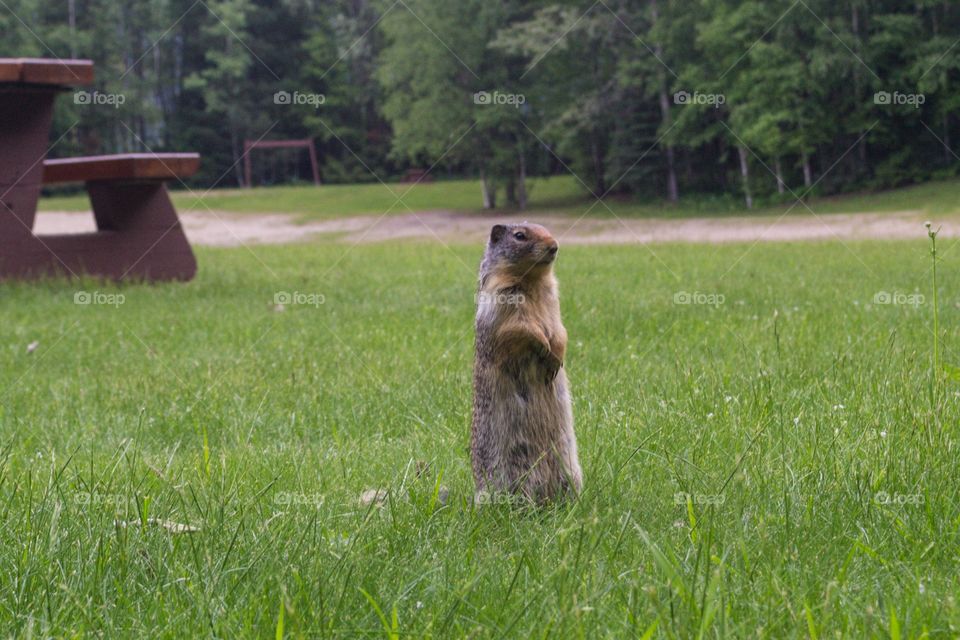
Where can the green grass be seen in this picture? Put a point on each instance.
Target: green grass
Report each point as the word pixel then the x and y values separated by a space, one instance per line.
pixel 559 194
pixel 331 201
pixel 785 410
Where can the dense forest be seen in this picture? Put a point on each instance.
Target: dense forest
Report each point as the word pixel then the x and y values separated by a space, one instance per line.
pixel 655 98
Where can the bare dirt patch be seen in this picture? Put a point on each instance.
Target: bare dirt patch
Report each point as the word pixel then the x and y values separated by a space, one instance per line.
pixel 224 229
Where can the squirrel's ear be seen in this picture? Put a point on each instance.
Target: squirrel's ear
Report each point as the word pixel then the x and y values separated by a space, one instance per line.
pixel 496 233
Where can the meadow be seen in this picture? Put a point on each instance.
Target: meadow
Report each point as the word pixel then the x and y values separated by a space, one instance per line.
pixel 767 451
pixel 555 194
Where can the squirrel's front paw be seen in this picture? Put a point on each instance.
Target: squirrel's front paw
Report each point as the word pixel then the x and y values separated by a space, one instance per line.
pixel 551 367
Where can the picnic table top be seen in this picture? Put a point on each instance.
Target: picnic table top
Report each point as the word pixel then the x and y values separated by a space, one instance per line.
pixel 47 71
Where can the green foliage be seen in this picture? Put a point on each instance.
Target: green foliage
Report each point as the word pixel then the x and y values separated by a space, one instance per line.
pixel 438 73
pixel 341 51
pixel 790 89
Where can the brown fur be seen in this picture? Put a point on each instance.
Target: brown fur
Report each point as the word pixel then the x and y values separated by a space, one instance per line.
pixel 522 439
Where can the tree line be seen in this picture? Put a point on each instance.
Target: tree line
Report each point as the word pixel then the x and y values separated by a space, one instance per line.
pixel 651 98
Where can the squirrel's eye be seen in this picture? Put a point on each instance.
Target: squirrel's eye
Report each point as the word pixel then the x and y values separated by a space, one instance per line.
pixel 520 235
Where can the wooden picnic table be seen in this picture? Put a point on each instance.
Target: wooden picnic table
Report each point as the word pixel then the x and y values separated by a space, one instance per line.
pixel 139 235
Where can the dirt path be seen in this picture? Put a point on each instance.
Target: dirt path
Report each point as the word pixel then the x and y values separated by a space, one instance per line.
pixel 225 229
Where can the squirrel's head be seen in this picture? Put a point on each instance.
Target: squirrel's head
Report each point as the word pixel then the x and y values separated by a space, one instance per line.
pixel 521 250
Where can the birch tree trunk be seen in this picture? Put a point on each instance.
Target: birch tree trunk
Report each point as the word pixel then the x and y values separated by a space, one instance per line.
pixel 745 174
pixel 673 193
pixel 488 191
pixel 522 181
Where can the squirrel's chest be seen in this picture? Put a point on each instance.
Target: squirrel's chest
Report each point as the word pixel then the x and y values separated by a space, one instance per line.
pixel 539 315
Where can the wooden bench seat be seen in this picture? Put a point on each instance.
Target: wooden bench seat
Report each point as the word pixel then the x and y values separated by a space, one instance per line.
pixel 131 166
pixel 139 235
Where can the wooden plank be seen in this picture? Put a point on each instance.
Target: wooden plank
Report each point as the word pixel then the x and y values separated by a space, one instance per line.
pixel 139 237
pixel 70 73
pixel 9 70
pixel 130 166
pixel 114 255
pixel 47 71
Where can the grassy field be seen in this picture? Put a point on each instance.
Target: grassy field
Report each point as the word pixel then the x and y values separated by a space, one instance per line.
pixel 562 194
pixel 330 201
pixel 763 451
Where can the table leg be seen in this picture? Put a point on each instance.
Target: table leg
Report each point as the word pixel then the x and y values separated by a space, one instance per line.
pixel 26 114
pixel 139 237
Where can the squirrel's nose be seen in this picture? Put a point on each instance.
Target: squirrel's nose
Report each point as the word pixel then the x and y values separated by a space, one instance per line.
pixel 552 249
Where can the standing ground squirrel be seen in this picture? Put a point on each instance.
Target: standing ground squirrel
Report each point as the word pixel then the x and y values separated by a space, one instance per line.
pixel 522 439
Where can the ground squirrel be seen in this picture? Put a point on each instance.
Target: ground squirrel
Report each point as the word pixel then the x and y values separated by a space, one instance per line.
pixel 522 439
